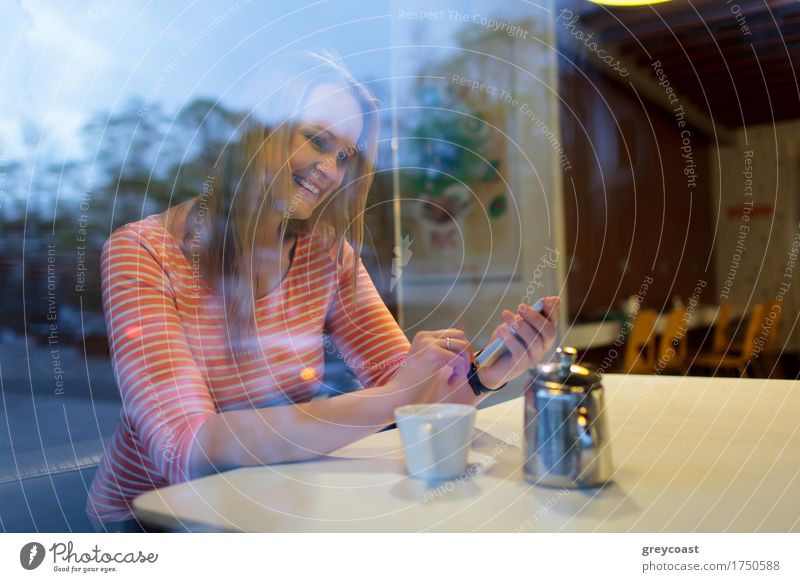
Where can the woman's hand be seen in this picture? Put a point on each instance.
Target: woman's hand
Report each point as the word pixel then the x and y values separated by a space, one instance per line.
pixel 436 367
pixel 535 334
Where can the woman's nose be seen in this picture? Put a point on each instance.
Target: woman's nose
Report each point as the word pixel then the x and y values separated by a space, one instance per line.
pixel 328 167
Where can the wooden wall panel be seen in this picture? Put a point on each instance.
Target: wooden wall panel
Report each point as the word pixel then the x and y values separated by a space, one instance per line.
pixel 630 213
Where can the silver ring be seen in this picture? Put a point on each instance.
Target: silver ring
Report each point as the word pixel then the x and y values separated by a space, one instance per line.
pixel 447 341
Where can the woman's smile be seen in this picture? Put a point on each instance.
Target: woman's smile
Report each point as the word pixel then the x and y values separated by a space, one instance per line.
pixel 307 188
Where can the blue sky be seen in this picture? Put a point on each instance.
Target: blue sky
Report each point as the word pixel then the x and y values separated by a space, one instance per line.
pixel 63 61
pixel 67 59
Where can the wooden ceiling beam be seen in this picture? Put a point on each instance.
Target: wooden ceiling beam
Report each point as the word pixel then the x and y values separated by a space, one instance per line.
pixel 769 48
pixel 723 39
pixel 707 59
pixel 717 64
pixel 646 84
pixel 766 71
pixel 688 20
pixel 759 113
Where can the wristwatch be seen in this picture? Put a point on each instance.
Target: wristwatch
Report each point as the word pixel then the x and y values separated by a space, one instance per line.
pixel 475 382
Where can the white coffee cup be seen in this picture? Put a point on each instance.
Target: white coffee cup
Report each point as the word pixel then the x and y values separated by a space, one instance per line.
pixel 436 438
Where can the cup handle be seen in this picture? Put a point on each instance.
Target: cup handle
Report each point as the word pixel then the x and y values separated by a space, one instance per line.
pixel 427 431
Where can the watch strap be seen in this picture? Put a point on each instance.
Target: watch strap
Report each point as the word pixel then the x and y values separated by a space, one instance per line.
pixel 475 382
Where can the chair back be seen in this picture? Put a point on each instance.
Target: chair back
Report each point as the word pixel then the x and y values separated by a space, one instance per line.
pixel 672 347
pixel 751 334
pixel 772 318
pixel 640 352
pixel 720 340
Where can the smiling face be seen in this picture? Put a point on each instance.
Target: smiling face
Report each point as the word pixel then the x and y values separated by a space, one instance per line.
pixel 325 142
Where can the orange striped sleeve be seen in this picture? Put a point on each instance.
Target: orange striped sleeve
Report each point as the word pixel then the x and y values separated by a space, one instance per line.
pixel 363 328
pixel 164 394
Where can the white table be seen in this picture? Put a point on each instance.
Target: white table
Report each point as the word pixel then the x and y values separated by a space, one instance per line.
pixel 691 454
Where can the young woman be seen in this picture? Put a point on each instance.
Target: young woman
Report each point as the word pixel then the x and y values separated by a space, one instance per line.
pixel 217 310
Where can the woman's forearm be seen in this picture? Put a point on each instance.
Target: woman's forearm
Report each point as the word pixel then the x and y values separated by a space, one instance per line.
pixel 297 432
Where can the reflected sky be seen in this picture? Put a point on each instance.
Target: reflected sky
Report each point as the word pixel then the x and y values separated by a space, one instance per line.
pixel 64 61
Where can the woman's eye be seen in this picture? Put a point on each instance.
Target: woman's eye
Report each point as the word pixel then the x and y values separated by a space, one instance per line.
pixel 316 141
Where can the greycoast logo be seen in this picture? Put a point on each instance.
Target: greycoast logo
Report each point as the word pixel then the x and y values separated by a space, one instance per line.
pixel 31 555
pixel 66 559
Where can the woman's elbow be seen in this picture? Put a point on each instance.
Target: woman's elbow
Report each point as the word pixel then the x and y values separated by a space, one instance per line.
pixel 206 450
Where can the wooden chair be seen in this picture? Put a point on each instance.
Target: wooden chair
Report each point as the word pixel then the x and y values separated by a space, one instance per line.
pixel 672 349
pixel 769 330
pixel 738 362
pixel 720 340
pixel 640 345
pixel 773 306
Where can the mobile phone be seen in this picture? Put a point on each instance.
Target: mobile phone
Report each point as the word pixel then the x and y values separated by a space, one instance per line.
pixel 491 353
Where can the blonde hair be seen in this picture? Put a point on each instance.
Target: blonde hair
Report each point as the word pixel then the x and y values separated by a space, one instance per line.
pixel 252 172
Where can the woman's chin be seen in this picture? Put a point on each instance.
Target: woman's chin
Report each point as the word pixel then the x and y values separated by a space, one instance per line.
pixel 302 208
pixel 301 213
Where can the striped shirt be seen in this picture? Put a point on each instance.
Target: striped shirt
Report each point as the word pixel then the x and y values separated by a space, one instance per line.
pixel 169 351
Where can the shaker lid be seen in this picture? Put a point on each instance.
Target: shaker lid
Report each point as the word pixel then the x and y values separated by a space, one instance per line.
pixel 564 373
